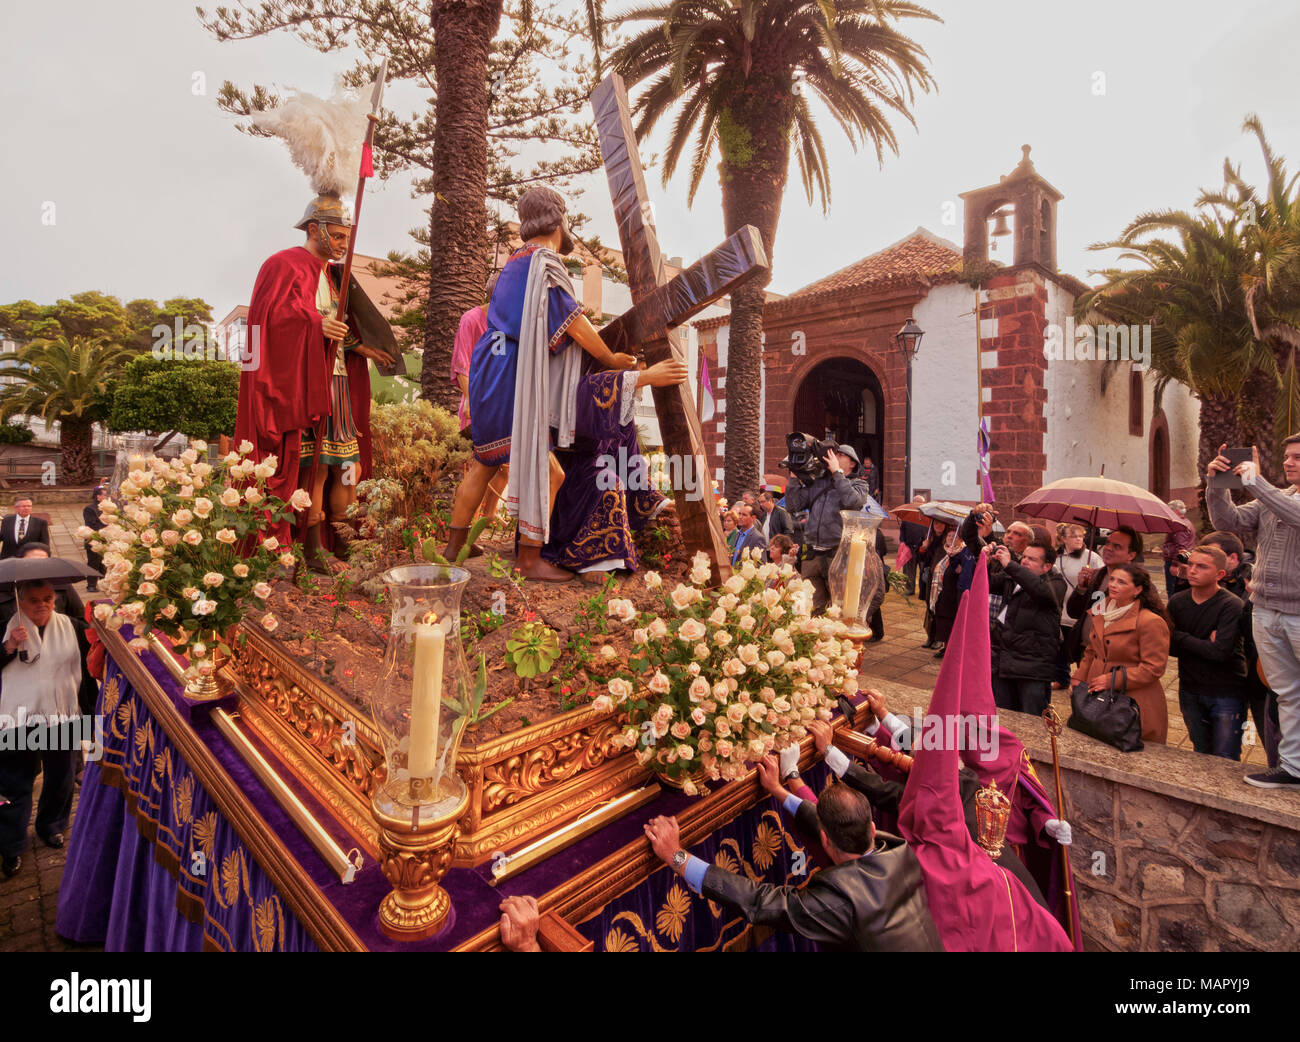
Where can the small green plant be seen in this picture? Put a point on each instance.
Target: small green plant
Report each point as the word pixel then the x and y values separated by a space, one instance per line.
pixel 532 649
pixel 473 711
pixel 429 548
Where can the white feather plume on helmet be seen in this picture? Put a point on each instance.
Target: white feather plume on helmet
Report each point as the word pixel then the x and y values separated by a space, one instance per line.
pixel 324 139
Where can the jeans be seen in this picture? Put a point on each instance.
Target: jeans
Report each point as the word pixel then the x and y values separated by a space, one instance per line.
pixel 1214 722
pixel 1277 638
pixel 816 567
pixel 1021 694
pixel 18 778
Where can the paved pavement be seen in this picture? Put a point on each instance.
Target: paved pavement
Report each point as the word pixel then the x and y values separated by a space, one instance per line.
pixel 28 901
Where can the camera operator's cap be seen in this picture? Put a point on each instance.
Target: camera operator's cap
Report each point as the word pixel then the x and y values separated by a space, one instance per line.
pixel 848 450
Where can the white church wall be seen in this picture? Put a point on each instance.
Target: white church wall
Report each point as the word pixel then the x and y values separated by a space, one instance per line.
pixel 1087 428
pixel 944 386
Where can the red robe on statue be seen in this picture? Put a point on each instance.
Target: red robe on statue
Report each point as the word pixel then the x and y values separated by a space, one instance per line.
pixel 287 389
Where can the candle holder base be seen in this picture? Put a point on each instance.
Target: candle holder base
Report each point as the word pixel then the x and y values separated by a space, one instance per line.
pixel 415 853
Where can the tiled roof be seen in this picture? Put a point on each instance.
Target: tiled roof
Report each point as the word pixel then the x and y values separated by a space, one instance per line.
pixel 922 258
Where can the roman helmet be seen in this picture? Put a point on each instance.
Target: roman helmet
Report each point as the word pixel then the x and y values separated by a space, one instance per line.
pixel 326 208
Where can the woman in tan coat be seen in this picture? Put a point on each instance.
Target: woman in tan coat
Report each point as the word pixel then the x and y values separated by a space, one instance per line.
pixel 1131 631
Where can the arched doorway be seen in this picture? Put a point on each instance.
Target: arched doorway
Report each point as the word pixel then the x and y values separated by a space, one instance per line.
pixel 1158 479
pixel 841 400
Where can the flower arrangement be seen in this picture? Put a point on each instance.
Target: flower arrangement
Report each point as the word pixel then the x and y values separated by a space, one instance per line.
pixel 725 676
pixel 177 548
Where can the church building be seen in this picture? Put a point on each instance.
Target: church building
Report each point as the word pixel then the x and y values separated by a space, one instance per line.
pixel 1061 399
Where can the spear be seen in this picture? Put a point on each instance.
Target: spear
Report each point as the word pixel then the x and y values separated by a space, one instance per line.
pixel 367 170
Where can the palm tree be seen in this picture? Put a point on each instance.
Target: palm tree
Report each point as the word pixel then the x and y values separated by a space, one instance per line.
pixel 745 72
pixel 63 380
pixel 1220 287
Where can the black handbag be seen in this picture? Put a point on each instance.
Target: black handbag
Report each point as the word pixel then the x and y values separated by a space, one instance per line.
pixel 1110 716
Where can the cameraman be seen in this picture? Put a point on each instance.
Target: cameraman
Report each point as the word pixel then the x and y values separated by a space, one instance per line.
pixel 824 498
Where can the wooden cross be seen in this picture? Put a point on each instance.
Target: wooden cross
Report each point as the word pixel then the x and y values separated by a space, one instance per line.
pixel 661 305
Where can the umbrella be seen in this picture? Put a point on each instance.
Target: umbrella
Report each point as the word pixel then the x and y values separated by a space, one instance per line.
pixel 907 512
pixel 51 569
pixel 1102 503
pixel 942 510
pixel 774 483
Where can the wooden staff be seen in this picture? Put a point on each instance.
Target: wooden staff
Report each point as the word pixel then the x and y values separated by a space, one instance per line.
pixel 1052 721
pixel 332 349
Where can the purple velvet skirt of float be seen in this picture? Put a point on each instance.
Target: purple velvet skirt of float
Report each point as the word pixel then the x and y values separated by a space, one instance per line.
pixel 595 514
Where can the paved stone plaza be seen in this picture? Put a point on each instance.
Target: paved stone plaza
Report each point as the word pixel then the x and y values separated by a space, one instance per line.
pixel 28 901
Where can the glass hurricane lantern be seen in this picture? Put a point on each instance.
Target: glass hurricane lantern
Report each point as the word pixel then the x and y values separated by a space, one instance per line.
pixel 857 576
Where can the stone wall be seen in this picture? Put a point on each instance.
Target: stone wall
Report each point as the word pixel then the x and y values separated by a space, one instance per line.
pixel 1172 850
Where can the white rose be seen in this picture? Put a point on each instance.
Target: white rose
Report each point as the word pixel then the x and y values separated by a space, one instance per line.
pixel 269 623
pixel 735 584
pixel 203 606
pixel 244 447
pixel 192 538
pixel 230 497
pixel 171 537
pixel 146 589
pixel 659 683
pixel 619 690
pixel 699 690
pixel 226 535
pixel 202 506
pixel 103 612
pixel 602 703
pixel 213 579
pixel 748 654
pixel 287 560
pixel 653 580
pixel 718 617
pixel 263 471
pixel 169 611
pixel 608 653
pixel 182 518
pixel 300 500
pixel 722 638
pixel 252 496
pixel 658 629
pixel 85 533
pixel 271 544
pixel 682 596
pixel 691 630
pixel 241 570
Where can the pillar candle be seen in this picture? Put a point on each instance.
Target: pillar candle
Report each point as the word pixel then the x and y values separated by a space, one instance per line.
pixel 853 589
pixel 426 700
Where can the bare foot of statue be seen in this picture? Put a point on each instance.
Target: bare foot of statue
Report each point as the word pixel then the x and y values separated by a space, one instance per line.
pixel 530 565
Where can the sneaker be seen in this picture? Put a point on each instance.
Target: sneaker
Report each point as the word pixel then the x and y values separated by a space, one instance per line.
pixel 1275 778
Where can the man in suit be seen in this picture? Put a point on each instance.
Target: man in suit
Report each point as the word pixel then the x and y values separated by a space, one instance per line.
pixel 871 899
pixel 750 536
pixel 774 520
pixel 20 527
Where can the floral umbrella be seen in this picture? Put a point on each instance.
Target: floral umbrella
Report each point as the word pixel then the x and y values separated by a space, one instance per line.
pixel 1102 503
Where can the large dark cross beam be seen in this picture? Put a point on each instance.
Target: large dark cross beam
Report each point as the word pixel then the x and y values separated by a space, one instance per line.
pixel 661 305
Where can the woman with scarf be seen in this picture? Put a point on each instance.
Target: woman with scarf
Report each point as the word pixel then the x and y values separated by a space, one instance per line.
pixel 928 556
pixel 1132 630
pixel 952 578
pixel 1072 559
pixel 41 669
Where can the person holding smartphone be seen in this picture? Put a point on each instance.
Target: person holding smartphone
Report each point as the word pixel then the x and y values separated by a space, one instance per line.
pixel 1274 520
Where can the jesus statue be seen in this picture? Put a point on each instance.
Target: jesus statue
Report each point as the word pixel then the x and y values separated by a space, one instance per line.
pixel 531 392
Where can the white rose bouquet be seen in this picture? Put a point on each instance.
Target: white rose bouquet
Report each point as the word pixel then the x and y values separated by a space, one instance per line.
pixel 183 551
pixel 725 676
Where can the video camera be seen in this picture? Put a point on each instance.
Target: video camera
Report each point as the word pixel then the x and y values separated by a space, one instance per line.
pixel 806 456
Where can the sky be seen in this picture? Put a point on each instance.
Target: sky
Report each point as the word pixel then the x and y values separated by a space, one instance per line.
pixel 120 173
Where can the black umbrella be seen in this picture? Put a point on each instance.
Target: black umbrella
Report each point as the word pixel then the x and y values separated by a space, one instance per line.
pixel 51 569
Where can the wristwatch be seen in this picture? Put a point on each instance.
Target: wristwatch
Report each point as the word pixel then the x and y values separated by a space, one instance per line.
pixel 792 774
pixel 679 860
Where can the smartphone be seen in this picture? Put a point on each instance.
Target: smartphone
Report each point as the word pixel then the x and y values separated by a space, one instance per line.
pixel 1229 479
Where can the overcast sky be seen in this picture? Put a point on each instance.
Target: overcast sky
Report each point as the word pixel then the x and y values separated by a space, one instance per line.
pixel 109 113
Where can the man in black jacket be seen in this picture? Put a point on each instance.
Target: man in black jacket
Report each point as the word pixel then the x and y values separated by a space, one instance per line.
pixel 1027 632
pixel 872 899
pixel 1261 700
pixel 20 527
pixel 1207 640
pixel 773 520
pixel 912 534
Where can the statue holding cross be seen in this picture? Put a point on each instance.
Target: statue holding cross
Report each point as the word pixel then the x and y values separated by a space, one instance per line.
pixel 531 393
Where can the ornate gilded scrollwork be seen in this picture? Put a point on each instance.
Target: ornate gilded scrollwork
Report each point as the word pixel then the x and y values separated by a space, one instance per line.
pixel 516 778
pixel 321 730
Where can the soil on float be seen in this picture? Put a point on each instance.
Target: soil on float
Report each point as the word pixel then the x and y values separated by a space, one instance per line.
pixel 339 634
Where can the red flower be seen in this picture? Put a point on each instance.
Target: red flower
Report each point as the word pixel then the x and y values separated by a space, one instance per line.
pixel 566 690
pixel 530 616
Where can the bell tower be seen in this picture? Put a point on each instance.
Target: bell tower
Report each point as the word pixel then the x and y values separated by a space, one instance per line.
pixel 1032 202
